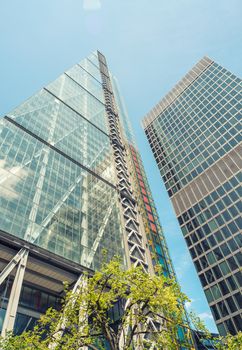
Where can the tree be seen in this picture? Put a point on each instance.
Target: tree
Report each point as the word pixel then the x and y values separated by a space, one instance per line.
pixel 228 342
pixel 231 342
pixel 151 314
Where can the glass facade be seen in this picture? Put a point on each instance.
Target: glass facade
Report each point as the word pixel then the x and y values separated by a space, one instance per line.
pixel 56 187
pixel 195 136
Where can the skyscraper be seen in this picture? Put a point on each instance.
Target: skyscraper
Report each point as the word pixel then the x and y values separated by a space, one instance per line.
pixel 195 136
pixel 72 184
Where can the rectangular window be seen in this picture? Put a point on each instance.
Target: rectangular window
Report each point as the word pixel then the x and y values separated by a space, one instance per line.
pixel 153 227
pixel 143 191
pixel 150 217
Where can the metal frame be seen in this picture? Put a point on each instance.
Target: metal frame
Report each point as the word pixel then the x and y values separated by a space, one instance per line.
pixel 19 261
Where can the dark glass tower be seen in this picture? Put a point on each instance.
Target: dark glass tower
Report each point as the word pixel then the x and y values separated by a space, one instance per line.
pixel 72 183
pixel 195 136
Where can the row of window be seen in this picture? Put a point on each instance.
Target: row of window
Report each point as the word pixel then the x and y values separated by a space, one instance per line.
pixel 211 275
pixel 231 325
pixel 160 252
pixel 226 189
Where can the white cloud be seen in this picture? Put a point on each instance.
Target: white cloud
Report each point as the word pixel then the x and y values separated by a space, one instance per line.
pixel 188 304
pixel 206 316
pixel 183 264
pixel 9 178
pixel 91 5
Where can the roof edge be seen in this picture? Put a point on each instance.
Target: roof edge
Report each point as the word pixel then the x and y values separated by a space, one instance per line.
pixel 183 84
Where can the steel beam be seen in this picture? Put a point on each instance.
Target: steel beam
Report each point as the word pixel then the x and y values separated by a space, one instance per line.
pixel 11 265
pixel 13 301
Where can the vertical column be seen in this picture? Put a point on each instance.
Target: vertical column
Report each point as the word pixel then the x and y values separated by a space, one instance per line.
pixel 134 238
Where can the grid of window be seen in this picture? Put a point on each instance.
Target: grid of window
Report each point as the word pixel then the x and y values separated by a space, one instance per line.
pixel 63 128
pixel 77 97
pixel 91 65
pixel 86 81
pixel 212 230
pixel 198 128
pixel 33 301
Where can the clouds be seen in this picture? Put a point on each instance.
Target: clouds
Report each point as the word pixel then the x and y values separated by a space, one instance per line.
pixel 9 178
pixel 183 265
pixel 206 316
pixel 91 5
pixel 188 304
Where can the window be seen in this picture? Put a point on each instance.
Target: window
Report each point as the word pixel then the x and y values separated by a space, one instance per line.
pixel 204 262
pixel 218 236
pixel 205 245
pixel 226 232
pixel 206 229
pixel 197 265
pixel 212 225
pixel 216 292
pixel 223 308
pixel 232 244
pixel 142 184
pixel 238 239
pixel 232 227
pixel 188 240
pixel 143 191
pixel 230 327
pixel 238 299
pixel 224 268
pixel 209 295
pixel 225 249
pixel 199 249
pixel 153 227
pixel 209 276
pixel 231 304
pixel 211 258
pixel 215 312
pixel 203 280
pixel 217 253
pixel 238 277
pixel 224 288
pixel 221 329
pixel 232 263
pixel 212 241
pixel 194 238
pixel 238 322
pixel 193 253
pixel 150 217
pixel 217 272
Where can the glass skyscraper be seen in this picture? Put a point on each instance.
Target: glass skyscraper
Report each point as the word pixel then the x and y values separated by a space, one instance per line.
pixel 72 184
pixel 195 136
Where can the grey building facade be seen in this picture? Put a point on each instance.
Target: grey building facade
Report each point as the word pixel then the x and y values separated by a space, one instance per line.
pixel 195 135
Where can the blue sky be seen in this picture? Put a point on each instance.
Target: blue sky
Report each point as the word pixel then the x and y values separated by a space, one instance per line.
pixel 149 45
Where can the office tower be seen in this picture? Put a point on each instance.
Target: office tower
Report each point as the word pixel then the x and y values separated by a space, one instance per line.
pixel 71 185
pixel 195 136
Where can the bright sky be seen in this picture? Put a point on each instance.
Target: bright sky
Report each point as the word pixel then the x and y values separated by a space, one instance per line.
pixel 149 46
